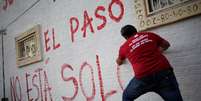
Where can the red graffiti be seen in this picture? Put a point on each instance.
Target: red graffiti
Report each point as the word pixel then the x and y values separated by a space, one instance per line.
pixel 47 88
pixel 35 86
pixel 101 17
pixel 116 18
pixel 38 87
pixel 88 21
pixel 40 81
pixel 73 30
pixel 73 79
pixel 104 95
pixel 88 98
pixel 7 3
pixel 47 40
pixel 55 46
pixel 28 89
pixel 15 87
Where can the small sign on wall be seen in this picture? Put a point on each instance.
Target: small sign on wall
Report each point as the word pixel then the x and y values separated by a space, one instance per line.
pixel 153 13
pixel 28 48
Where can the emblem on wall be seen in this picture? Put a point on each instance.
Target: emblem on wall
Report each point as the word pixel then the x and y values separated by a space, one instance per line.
pixel 153 13
pixel 28 48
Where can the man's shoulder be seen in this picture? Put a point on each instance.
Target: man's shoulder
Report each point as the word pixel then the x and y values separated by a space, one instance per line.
pixel 125 44
pixel 147 32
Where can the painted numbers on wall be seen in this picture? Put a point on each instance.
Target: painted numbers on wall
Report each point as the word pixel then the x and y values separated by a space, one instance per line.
pixel 75 23
pixel 168 15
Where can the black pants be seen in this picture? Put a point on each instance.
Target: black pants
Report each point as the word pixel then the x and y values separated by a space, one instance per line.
pixel 163 83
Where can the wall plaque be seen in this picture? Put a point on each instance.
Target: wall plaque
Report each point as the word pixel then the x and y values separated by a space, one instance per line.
pixel 153 13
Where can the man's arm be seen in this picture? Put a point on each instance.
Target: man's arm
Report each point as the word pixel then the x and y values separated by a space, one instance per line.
pixel 162 43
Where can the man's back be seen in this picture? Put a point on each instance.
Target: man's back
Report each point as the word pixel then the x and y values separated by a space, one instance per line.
pixel 153 72
pixel 142 50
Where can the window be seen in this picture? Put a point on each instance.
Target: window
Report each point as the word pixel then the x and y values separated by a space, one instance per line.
pixel 28 47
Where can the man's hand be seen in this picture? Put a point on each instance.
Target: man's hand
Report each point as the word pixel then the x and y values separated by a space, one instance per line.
pixel 119 61
pixel 164 45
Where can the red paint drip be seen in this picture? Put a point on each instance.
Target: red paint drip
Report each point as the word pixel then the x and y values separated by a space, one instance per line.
pixel 103 96
pixel 100 78
pixel 118 77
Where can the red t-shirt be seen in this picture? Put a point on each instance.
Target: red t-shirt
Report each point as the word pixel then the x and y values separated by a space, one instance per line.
pixel 142 50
